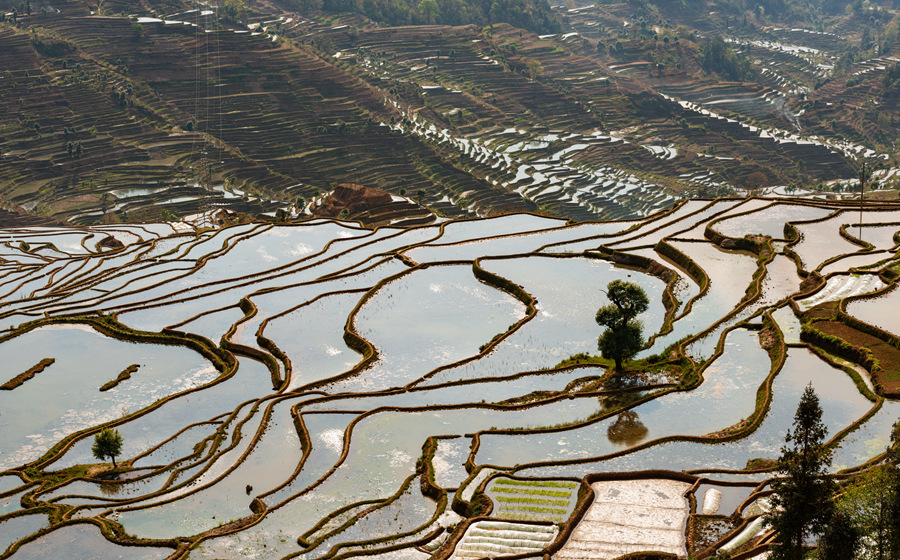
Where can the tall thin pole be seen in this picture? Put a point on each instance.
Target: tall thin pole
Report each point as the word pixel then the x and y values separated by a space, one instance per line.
pixel 862 194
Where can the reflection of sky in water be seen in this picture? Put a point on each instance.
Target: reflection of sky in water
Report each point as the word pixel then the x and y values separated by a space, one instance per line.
pixel 147 430
pixel 840 400
pixel 427 319
pixel 872 311
pixel 568 292
pixel 85 541
pixel 780 281
pixel 16 528
pixel 422 321
pixel 726 397
pixel 768 221
pixel 729 275
pixel 64 398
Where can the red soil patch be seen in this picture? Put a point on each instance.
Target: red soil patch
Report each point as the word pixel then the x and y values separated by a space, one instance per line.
pixel 888 356
pixel 110 242
pixel 354 198
pixel 372 207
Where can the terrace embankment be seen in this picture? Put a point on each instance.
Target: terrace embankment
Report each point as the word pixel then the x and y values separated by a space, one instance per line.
pixel 27 374
pixel 879 355
pixel 484 120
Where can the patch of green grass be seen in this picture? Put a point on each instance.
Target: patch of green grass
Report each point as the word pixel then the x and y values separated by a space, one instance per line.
pixel 537 501
pixel 583 358
pixel 125 374
pixel 541 483
pixel 535 509
pixel 532 492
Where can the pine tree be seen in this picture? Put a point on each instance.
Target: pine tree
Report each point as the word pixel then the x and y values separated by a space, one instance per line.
pixel 802 501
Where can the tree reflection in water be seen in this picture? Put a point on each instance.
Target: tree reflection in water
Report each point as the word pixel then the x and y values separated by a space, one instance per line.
pixel 627 430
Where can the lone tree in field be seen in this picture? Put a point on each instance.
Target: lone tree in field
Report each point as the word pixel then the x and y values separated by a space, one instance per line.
pixel 107 443
pixel 623 336
pixel 535 69
pixel 801 505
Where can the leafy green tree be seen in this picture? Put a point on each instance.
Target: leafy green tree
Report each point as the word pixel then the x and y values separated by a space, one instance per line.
pixel 623 336
pixel 802 500
pixel 716 56
pixel 429 10
pixel 107 443
pixel 893 454
pixel 233 10
pixel 869 508
pixel 535 69
pixel 870 502
pixel 841 539
pixel 893 450
pixel 106 200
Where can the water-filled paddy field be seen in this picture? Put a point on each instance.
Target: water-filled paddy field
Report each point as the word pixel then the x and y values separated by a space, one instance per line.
pixel 321 390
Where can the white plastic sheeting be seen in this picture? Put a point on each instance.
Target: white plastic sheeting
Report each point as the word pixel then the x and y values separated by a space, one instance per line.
pixel 630 516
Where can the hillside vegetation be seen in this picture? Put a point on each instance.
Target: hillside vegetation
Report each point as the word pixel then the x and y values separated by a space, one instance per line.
pixel 117 111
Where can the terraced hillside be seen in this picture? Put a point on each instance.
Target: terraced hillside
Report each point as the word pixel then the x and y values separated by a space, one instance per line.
pixel 166 109
pixel 332 391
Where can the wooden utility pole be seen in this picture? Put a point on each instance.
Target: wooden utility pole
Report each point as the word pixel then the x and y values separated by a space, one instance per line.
pixel 863 177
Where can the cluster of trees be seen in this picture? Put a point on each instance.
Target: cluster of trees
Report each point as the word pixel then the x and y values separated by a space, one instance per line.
pixel 858 519
pixel 718 58
pixel 779 10
pixel 233 10
pixel 534 15
pixel 878 36
pixel 891 81
pixel 75 149
pixel 51 47
pixel 24 7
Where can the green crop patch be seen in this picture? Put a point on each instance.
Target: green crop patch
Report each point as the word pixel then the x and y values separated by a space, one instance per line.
pixel 536 483
pixel 533 492
pixel 536 501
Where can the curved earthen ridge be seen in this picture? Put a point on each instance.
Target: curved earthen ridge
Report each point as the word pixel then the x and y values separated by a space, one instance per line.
pixel 246 419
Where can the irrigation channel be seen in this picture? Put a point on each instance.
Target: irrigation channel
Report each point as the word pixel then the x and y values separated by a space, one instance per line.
pixel 320 390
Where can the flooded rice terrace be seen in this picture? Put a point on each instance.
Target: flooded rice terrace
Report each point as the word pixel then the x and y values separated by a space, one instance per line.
pixel 318 390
